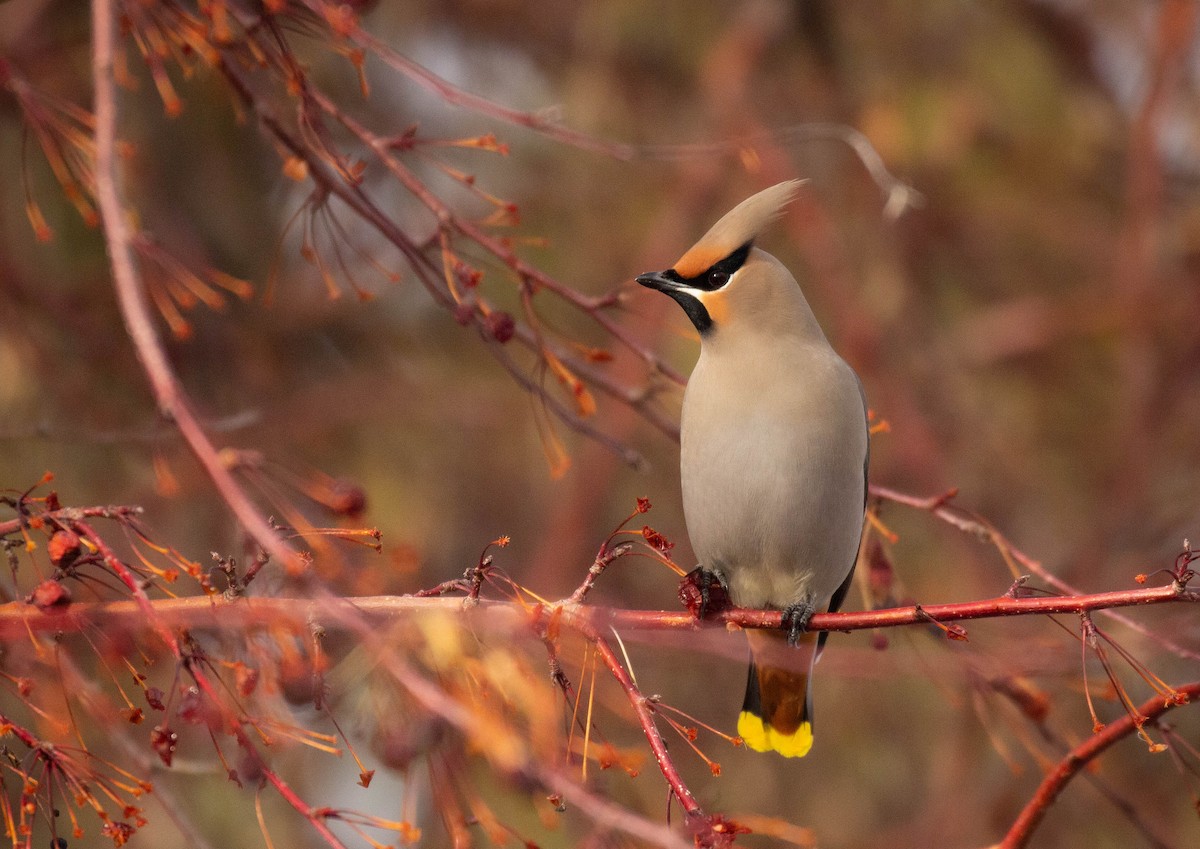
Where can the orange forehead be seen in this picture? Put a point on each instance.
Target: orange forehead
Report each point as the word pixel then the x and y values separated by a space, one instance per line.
pixel 698 260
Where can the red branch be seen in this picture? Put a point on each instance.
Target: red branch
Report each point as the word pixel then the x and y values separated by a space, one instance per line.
pixel 709 831
pixel 216 612
pixel 168 393
pixel 645 715
pixel 914 615
pixel 68 514
pixel 1053 784
pixel 145 606
pixel 236 726
pixel 969 522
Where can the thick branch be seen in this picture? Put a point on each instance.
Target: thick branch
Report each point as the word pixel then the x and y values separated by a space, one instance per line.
pixel 891 617
pixel 1029 818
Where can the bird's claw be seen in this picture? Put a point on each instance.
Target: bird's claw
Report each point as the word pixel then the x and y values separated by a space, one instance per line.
pixel 702 592
pixel 795 620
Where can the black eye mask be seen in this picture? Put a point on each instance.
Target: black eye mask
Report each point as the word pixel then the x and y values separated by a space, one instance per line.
pixel 673 284
pixel 717 275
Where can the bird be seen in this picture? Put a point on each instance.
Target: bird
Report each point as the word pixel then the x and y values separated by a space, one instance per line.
pixel 774 450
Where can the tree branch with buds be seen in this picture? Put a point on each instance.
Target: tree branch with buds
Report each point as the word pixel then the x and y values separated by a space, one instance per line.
pixel 53 612
pixel 447 673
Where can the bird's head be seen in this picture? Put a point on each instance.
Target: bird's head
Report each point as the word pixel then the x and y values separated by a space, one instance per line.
pixel 724 280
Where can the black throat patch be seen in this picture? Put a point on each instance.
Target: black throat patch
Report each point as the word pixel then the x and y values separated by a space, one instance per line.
pixel 710 280
pixel 694 309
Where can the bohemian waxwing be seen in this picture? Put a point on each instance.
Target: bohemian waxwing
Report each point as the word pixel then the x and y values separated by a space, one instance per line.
pixel 773 458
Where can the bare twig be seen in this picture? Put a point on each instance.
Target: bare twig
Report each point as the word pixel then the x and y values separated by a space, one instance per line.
pixel 645 715
pixel 898 195
pixel 430 274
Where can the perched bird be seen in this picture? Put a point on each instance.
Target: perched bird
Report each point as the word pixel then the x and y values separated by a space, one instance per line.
pixel 773 458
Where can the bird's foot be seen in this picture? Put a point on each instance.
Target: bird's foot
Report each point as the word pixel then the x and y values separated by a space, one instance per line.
pixel 795 620
pixel 702 592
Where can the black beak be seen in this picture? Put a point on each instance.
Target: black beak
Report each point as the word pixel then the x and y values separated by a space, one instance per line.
pixel 657 280
pixel 669 283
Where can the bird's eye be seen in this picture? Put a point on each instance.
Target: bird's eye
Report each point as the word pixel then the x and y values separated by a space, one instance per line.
pixel 716 279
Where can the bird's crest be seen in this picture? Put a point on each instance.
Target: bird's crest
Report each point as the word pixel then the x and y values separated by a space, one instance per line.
pixel 737 227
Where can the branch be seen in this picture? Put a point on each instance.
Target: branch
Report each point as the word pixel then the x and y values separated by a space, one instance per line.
pixel 169 395
pixel 356 615
pixel 131 297
pixel 969 522
pixel 215 612
pixel 1017 694
pixel 645 715
pixel 1029 818
pixel 911 615
pixel 360 617
pixel 898 195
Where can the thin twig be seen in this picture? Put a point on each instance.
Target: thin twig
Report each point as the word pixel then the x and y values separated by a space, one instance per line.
pixel 897 194
pixel 496 247
pixel 428 273
pixel 645 715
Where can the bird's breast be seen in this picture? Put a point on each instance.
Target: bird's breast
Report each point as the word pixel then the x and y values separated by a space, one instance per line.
pixel 772 458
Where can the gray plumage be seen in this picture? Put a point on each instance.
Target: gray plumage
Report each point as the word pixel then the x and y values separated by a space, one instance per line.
pixel 774 446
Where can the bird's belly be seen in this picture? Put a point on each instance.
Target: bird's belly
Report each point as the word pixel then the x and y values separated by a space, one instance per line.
pixel 775 511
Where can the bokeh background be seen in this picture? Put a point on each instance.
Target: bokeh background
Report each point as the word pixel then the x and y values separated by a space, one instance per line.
pixel 1029 329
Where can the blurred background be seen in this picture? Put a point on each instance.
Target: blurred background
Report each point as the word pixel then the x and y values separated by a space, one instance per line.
pixel 1029 329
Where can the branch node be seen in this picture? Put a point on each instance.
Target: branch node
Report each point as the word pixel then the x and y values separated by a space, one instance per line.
pixel 1018 588
pixel 944 499
pixel 952 631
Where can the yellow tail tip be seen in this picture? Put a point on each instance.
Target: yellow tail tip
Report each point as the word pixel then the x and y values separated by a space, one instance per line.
pixel 760 737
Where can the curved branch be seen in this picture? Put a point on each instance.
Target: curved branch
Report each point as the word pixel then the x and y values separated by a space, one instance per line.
pixel 898 195
pixel 169 395
pixel 1053 784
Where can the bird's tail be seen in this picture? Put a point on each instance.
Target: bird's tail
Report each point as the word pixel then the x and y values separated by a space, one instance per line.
pixel 777 714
